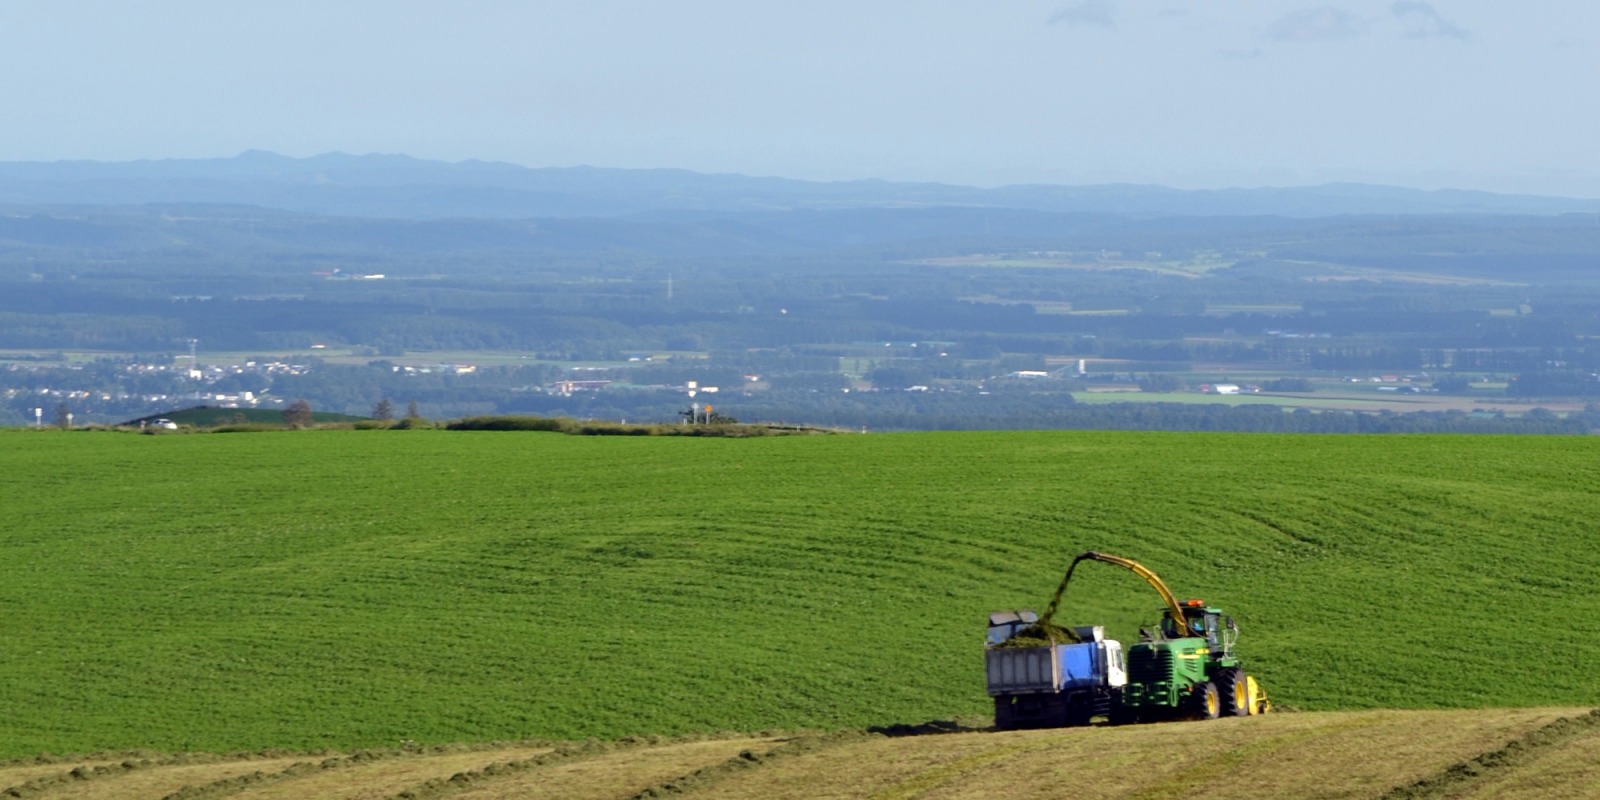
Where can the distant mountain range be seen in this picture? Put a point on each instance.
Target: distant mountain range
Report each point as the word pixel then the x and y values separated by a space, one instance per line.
pixel 401 187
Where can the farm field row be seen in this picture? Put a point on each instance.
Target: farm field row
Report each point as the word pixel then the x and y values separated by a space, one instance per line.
pixel 1503 754
pixel 347 589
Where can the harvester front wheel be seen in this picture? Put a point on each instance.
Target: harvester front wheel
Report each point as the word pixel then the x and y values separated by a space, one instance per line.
pixel 1236 689
pixel 1259 704
pixel 1206 702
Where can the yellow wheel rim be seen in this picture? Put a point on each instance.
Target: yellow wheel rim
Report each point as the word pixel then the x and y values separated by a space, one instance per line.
pixel 1252 695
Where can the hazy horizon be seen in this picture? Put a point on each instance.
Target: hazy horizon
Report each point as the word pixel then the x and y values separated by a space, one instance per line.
pixel 1463 95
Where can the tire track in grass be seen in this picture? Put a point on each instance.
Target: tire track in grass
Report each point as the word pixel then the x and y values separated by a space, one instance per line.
pixel 1516 754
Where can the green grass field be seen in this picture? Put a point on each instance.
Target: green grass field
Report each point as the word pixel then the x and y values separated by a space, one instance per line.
pixel 364 588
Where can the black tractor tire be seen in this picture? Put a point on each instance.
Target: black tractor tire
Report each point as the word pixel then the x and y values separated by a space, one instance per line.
pixel 1122 716
pixel 1234 688
pixel 1205 702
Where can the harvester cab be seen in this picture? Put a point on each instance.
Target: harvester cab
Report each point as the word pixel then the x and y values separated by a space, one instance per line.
pixel 1199 620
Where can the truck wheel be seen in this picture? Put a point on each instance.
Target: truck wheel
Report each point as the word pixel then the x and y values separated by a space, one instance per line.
pixel 1234 687
pixel 1004 717
pixel 1206 702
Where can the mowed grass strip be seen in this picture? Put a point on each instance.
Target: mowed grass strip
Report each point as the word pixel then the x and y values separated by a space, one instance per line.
pixel 1568 772
pixel 14 775
pixel 345 589
pixel 1324 755
pixel 381 778
pixel 1318 755
pixel 157 782
pixel 612 775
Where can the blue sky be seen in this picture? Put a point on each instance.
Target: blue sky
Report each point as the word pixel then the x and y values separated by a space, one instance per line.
pixel 1482 94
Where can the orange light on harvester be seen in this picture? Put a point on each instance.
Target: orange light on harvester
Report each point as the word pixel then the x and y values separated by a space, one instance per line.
pixel 1195 603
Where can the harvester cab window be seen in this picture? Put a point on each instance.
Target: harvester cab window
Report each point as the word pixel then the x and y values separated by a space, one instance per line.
pixel 1194 624
pixel 1169 628
pixel 1213 632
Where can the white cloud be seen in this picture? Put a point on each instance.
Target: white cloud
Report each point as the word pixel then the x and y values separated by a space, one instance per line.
pixel 1421 21
pixel 1320 24
pixel 1088 12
